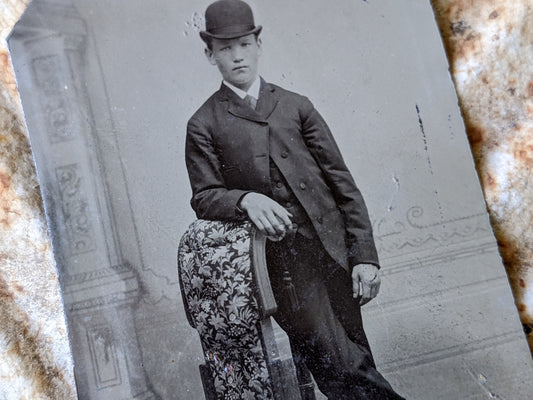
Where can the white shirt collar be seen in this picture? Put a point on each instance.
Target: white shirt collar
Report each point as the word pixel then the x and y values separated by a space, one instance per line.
pixel 253 91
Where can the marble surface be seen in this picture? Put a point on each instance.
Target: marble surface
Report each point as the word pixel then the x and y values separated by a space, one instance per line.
pixel 489 50
pixel 35 361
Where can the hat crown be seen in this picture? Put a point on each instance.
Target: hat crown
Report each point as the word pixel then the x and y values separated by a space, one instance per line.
pixel 229 19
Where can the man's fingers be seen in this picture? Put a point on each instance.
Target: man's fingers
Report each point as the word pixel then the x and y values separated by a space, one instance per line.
pixel 263 225
pixel 365 296
pixel 372 292
pixel 356 288
pixel 270 230
pixel 366 281
pixel 275 222
pixel 274 219
pixel 259 225
pixel 284 216
pixel 362 302
pixel 375 289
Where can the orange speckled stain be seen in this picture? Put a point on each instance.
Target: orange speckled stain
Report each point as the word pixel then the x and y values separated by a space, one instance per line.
pixel 6 199
pixel 486 42
pixel 35 351
pixel 6 74
pixel 476 135
pixel 522 155
pixel 530 89
pixel 25 344
pixel 490 181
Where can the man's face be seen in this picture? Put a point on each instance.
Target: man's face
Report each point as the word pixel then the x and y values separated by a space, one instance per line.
pixel 236 59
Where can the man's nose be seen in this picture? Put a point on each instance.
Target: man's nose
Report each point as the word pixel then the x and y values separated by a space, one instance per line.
pixel 237 55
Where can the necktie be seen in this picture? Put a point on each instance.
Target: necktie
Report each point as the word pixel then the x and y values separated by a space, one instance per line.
pixel 251 101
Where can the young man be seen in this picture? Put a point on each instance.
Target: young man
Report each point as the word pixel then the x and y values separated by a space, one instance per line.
pixel 257 151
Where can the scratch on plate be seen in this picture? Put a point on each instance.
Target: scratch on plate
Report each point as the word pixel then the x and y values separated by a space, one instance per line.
pixel 481 381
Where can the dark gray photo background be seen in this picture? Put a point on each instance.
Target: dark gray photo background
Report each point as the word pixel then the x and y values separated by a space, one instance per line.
pixel 444 325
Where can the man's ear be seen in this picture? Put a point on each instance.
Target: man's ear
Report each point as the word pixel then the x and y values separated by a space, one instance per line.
pixel 259 46
pixel 210 56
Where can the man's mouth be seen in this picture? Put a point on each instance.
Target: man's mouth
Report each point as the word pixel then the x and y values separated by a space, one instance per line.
pixel 240 68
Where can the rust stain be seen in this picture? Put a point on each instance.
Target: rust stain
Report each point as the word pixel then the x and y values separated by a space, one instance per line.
pixel 4 217
pixel 5 293
pixel 6 199
pixel 490 181
pixel 16 163
pixel 6 73
pixel 459 27
pixel 530 89
pixel 20 202
pixel 522 154
pixel 508 248
pixel 5 182
pixel 26 346
pixel 475 135
pixel 486 43
pixel 523 150
pixel 471 36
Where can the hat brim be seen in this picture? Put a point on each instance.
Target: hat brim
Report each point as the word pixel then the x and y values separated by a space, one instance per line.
pixel 230 35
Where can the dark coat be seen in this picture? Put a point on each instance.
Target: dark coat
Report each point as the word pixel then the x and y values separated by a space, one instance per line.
pixel 227 155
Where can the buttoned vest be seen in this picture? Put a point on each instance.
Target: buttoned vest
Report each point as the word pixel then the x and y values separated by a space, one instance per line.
pixel 282 193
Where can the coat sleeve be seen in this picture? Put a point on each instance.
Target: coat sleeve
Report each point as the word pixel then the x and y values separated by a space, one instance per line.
pixel 210 197
pixel 320 142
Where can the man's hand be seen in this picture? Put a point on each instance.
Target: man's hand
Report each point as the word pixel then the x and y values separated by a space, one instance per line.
pixel 267 215
pixel 366 282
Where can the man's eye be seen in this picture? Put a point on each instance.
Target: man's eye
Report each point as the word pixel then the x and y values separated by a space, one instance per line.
pixel 224 48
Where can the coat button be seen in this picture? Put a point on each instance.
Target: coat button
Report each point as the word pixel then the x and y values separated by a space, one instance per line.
pixel 284 155
pixel 279 184
pixel 319 220
pixel 288 204
pixel 302 185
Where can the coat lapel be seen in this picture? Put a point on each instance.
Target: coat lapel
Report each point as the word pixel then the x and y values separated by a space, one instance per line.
pixel 267 100
pixel 265 105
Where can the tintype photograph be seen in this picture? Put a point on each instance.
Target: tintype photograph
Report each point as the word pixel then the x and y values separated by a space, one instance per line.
pixel 264 200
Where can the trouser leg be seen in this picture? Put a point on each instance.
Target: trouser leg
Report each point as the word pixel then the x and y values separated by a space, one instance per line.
pixel 326 328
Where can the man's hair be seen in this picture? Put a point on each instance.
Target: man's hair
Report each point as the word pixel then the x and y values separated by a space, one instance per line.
pixel 209 41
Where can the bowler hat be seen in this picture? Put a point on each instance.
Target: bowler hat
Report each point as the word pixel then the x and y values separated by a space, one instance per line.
pixel 229 19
